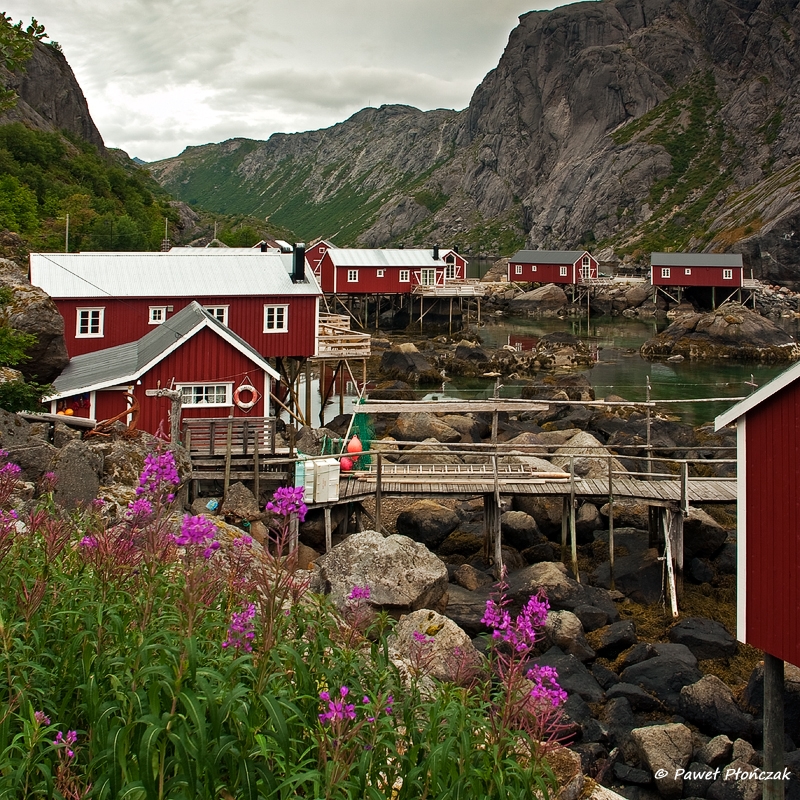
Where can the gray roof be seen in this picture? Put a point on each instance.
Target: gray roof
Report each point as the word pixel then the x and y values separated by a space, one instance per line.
pixel 548 256
pixel 362 257
pixel 127 362
pixel 188 272
pixel 696 260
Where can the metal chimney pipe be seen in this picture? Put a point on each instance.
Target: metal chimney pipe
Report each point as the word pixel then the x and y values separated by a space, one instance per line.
pixel 436 252
pixel 299 264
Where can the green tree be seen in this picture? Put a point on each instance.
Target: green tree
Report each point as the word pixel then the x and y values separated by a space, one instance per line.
pixel 16 47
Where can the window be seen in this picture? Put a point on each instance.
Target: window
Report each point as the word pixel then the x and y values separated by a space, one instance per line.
pixel 90 323
pixel 450 272
pixel 518 269
pixel 727 274
pixel 352 276
pixel 665 272
pixel 157 314
pixel 276 318
pixel 381 273
pixel 218 312
pixel 687 271
pixel 427 277
pixel 586 261
pixel 405 276
pixel 206 394
pixel 533 268
pixel 562 271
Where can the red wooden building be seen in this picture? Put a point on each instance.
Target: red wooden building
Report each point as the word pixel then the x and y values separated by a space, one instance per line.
pixel 553 266
pixel 269 299
pixel 361 271
pixel 768 520
pixel 217 372
pixel 315 252
pixel 697 269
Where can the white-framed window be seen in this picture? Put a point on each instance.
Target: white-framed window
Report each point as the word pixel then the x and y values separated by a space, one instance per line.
pixel 352 276
pixel 586 261
pixel 727 274
pixel 562 271
pixel 449 272
pixel 206 394
pixel 533 268
pixel 89 323
pixel 218 312
pixel 427 276
pixel 665 272
pixel 518 269
pixel 381 273
pixel 157 314
pixel 687 271
pixel 276 319
pixel 405 276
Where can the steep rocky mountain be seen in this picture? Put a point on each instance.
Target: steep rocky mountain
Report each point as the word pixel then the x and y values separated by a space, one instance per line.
pixel 50 98
pixel 636 124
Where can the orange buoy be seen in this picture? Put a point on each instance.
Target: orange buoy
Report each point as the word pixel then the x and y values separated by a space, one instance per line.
pixel 346 464
pixel 355 446
pixel 68 412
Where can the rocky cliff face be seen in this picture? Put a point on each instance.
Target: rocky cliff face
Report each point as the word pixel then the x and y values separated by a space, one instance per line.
pixel 50 97
pixel 635 124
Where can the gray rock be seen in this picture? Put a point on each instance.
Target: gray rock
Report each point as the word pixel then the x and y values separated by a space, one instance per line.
pixel 703 536
pixel 709 704
pixel 428 522
pixel 698 779
pixel 638 698
pixel 77 469
pixel 466 608
pixel 716 751
pixel 546 298
pixel 520 530
pixel 664 675
pixel 572 674
pixel 700 571
pixel 638 577
pixel 440 648
pixel 312 530
pixel 615 638
pixel 736 782
pixel 754 696
pixel 404 361
pixel 30 452
pixel 240 504
pixel 604 676
pixel 470 578
pixel 591 617
pixel 564 630
pixel 706 638
pixel 632 775
pixel 429 452
pixel 471 351
pixel 419 426
pixel 742 750
pixel 402 575
pixel 665 749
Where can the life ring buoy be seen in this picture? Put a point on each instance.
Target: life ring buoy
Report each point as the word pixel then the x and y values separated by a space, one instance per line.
pixel 246 405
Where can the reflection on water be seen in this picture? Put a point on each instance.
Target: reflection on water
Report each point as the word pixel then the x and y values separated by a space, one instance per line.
pixel 618 370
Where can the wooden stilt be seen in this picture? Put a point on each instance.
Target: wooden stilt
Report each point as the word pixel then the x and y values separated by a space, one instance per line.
pixel 773 726
pixel 341 388
pixel 308 390
pixel 378 492
pixel 228 445
pixel 611 524
pixel 573 533
pixel 450 321
pixel 491 526
pixel 564 527
pixel 257 466
pixel 672 594
pixel 322 393
pixel 328 531
pixel 294 533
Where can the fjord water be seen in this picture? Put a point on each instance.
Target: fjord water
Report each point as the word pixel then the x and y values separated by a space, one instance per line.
pixel 620 370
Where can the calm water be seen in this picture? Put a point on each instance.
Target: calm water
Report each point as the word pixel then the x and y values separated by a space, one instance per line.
pixel 618 369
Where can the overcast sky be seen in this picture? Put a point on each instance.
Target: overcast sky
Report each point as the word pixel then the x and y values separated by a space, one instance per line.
pixel 163 74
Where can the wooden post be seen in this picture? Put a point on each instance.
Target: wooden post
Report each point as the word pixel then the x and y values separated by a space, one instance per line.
pixel 257 433
pixel 378 491
pixel 668 556
pixel 341 388
pixel 322 392
pixel 450 327
pixel 773 726
pixel 497 554
pixel 491 528
pixel 564 525
pixel 328 531
pixel 611 524
pixel 228 445
pixel 294 533
pixel 573 534
pixel 308 391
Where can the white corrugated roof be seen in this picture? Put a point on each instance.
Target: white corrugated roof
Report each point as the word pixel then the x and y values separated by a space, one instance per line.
pixel 202 273
pixel 696 260
pixel 357 257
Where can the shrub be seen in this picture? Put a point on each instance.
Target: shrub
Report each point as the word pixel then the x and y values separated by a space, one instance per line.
pixel 158 658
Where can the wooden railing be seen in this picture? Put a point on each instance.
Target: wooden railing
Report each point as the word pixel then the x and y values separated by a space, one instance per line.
pixel 337 341
pixel 239 436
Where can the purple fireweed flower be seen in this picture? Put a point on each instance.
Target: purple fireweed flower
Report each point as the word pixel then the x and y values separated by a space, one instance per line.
pixel 243 541
pixel 359 593
pixel 241 630
pixel 159 476
pixel 98 503
pixel 520 633
pixel 421 637
pixel 139 508
pixel 88 542
pixel 545 686
pixel 198 531
pixel 41 718
pixel 66 742
pixel 337 709
pixel 288 500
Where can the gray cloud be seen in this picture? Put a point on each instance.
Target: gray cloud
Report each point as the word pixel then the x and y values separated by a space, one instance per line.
pixel 163 74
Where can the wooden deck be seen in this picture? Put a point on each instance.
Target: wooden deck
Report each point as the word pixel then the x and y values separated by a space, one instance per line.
pixel 451 289
pixel 337 342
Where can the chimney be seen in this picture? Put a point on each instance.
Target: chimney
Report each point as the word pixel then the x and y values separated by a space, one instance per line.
pixel 436 252
pixel 299 270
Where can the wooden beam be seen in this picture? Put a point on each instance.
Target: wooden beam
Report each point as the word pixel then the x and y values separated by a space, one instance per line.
pixel 773 726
